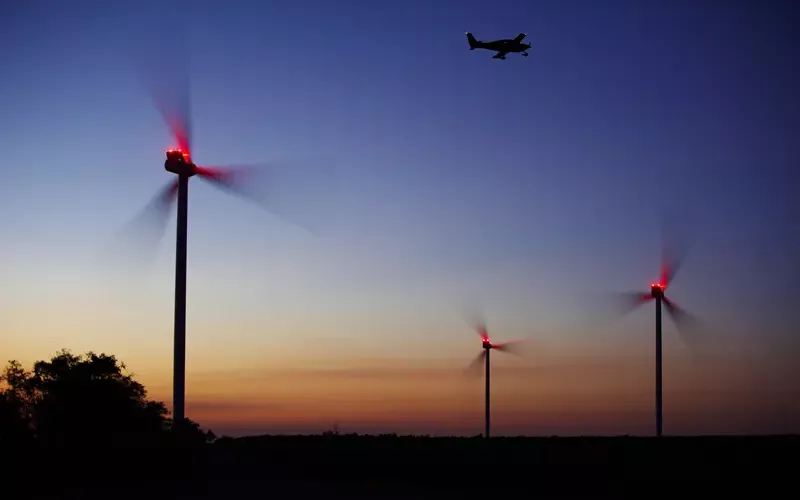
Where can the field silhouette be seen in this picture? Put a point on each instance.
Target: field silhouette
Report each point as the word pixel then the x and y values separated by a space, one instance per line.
pixel 78 426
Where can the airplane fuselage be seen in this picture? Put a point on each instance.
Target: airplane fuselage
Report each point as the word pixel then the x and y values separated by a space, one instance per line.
pixel 502 47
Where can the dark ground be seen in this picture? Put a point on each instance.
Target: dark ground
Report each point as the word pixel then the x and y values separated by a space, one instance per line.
pixel 398 467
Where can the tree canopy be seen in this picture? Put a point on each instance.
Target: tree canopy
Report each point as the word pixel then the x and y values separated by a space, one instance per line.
pixel 84 400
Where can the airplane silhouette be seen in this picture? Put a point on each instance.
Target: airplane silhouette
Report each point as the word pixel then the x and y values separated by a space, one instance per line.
pixel 502 47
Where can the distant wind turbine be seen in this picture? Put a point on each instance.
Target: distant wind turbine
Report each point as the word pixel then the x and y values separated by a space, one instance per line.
pixel 484 358
pixel 670 263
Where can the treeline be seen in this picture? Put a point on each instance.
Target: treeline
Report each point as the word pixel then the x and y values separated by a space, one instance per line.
pixel 84 401
pixel 80 426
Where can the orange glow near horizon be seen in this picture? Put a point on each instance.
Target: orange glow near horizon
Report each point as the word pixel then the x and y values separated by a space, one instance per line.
pixel 583 396
pixel 243 378
pixel 566 395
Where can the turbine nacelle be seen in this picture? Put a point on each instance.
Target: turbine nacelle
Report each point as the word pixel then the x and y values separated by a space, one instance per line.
pixel 657 290
pixel 178 162
pixel 487 344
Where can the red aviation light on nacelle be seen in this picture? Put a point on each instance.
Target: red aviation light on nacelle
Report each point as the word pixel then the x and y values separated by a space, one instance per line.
pixel 175 152
pixel 657 290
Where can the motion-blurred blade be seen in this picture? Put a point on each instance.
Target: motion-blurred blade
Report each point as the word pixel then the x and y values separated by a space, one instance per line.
pixel 482 331
pixel 173 104
pixel 474 367
pixel 162 58
pixel 676 238
pixel 139 238
pixel 516 347
pixel 687 325
pixel 616 305
pixel 301 194
pixel 598 311
pixel 475 319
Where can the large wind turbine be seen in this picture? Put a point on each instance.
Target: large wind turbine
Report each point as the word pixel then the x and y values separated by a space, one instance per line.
pixel 484 358
pixel 175 108
pixel 670 263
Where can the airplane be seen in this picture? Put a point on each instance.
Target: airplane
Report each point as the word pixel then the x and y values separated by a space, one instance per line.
pixel 502 47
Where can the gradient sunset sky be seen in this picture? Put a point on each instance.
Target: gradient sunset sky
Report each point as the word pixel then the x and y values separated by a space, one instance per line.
pixel 525 186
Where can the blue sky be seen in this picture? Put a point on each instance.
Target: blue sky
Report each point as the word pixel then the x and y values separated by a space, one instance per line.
pixel 523 182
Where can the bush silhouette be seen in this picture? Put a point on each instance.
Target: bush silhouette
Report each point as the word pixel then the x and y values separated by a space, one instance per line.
pixel 84 400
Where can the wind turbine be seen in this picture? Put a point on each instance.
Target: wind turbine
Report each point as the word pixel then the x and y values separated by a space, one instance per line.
pixel 484 358
pixel 175 109
pixel 670 263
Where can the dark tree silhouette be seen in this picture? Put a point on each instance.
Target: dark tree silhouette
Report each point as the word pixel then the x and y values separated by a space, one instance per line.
pixel 15 417
pixel 13 428
pixel 85 400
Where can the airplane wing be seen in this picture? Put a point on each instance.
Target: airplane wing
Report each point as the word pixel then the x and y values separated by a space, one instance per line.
pixel 500 55
pixel 520 37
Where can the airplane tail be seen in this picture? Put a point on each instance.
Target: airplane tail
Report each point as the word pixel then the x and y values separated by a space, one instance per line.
pixel 473 43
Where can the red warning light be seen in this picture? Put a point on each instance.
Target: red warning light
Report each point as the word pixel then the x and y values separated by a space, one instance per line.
pixel 178 151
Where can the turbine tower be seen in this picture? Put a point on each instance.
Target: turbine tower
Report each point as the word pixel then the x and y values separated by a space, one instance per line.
pixel 670 263
pixel 172 100
pixel 484 358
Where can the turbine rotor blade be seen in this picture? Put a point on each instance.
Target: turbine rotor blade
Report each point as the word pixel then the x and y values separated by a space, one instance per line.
pixel 482 332
pixel 473 369
pixel 162 57
pixel 515 347
pixel 619 304
pixel 675 242
pixel 141 235
pixel 174 108
pixel 475 319
pixel 298 195
pixel 687 325
pixel 678 314
pixel 601 310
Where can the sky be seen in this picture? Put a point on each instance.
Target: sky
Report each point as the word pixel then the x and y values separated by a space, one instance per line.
pixel 442 180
